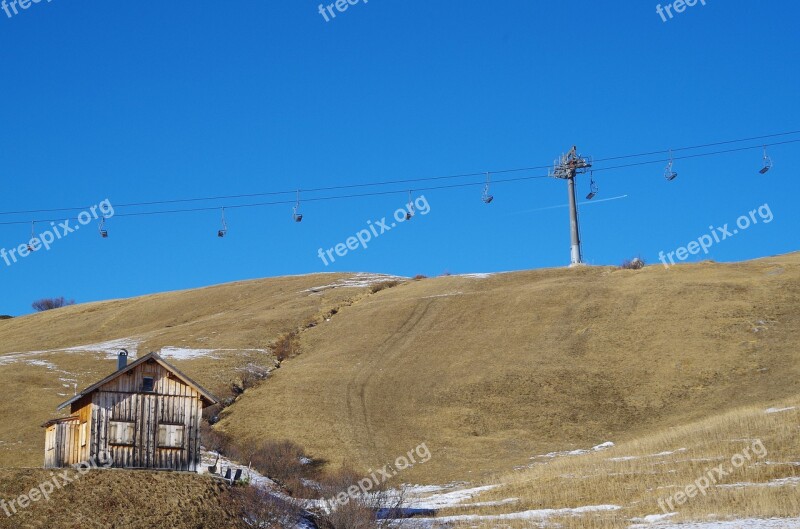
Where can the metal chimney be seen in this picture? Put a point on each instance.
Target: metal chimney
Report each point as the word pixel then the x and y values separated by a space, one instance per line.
pixel 122 360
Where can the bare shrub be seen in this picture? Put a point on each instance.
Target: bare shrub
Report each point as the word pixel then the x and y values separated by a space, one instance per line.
pixel 214 440
pixel 383 285
pixel 261 509
pixel 636 263
pixel 51 303
pixel 284 462
pixel 250 377
pixel 287 346
pixel 345 510
pixel 419 277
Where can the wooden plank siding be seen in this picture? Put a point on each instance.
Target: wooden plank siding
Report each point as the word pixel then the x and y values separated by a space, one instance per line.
pixel 172 404
pixel 62 443
pixel 140 423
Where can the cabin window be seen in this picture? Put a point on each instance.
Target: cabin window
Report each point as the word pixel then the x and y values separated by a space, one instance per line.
pixel 170 435
pixel 148 384
pixel 84 433
pixel 120 433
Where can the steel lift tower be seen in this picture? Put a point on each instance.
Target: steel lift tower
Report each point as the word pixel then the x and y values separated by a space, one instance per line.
pixel 570 165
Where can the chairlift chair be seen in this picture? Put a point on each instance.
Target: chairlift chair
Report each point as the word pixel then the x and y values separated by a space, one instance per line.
pixel 767 162
pixel 410 213
pixel 593 189
pixel 486 197
pixel 224 231
pixel 33 236
pixel 296 215
pixel 669 174
pixel 101 228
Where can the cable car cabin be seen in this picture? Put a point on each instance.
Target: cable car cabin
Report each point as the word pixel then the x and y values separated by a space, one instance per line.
pixel 145 415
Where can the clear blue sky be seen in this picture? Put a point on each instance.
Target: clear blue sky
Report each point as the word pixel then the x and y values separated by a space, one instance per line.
pixel 138 102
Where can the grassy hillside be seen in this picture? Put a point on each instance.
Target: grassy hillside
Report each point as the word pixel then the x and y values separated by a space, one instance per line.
pixel 227 329
pixel 757 448
pixel 491 371
pixel 488 371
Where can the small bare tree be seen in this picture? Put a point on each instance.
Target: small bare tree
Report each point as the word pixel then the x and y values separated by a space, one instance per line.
pixel 51 303
pixel 264 510
pixel 344 508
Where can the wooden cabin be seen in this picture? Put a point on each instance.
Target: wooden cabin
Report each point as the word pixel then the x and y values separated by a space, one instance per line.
pixel 145 415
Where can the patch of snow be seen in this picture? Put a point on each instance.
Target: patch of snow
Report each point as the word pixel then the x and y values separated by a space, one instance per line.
pixel 660 454
pixel 443 500
pixel 451 294
pixel 419 490
pixel 538 515
pixel 782 482
pixel 361 280
pixel 179 353
pixel 783 463
pixel 779 410
pixel 208 459
pixel 42 363
pixel 750 523
pixel 579 452
pixel 653 518
pixel 109 348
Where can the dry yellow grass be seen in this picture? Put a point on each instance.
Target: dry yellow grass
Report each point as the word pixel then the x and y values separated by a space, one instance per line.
pixel 638 474
pixel 492 371
pixel 111 499
pixel 245 316
pixel 488 372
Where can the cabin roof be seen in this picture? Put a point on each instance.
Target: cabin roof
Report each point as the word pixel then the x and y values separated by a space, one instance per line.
pixel 206 396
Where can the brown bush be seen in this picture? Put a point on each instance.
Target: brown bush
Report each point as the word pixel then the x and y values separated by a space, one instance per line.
pixel 636 263
pixel 51 303
pixel 360 511
pixel 284 462
pixel 251 376
pixel 383 285
pixel 287 346
pixel 214 440
pixel 419 277
pixel 261 509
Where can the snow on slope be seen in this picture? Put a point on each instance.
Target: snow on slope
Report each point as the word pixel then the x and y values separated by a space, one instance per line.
pixel 750 523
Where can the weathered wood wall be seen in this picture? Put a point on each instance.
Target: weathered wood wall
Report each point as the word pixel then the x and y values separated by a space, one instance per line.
pixel 121 400
pixel 62 444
